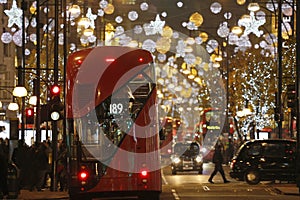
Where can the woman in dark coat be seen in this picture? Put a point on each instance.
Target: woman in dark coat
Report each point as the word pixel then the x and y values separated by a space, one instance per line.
pixel 218 160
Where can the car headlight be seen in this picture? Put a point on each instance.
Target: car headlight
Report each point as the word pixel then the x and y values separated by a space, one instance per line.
pixel 198 159
pixel 176 160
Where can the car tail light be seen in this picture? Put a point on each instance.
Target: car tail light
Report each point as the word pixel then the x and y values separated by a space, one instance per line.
pixel 232 164
pixel 83 174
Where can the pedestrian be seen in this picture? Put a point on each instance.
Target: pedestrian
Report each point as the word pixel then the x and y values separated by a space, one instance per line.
pixel 19 158
pixel 218 160
pixel 3 171
pixel 40 166
pixel 62 166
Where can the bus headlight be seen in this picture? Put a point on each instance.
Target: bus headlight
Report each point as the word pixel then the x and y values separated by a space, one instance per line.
pixel 176 160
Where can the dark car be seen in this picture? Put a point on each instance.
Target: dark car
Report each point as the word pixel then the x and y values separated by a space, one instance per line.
pixel 265 160
pixel 187 157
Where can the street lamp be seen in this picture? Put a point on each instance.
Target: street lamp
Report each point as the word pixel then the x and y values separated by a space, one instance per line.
pixel 20 91
pixel 13 106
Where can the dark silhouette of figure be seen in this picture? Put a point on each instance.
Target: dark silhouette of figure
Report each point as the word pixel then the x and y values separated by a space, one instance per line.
pixel 40 166
pixel 3 170
pixel 20 159
pixel 218 160
pixel 61 166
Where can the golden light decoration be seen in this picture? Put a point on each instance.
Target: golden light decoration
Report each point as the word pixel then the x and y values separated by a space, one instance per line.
pixel 183 66
pixel 196 18
pixel 186 93
pixel 163 45
pixel 197 79
pixel 88 32
pixel 75 10
pixel 198 60
pixel 237 30
pixel 83 23
pixel 206 67
pixel 109 9
pixel 213 57
pixel 167 32
pixel 32 9
pixel 109 27
pixel 240 2
pixel 204 36
pixel 253 6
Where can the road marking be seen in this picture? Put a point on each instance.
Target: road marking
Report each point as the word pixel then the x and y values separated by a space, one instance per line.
pixel 175 194
pixel 205 188
pixel 164 178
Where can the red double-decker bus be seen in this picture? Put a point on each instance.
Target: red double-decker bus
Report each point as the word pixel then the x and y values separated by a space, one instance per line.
pixel 112 124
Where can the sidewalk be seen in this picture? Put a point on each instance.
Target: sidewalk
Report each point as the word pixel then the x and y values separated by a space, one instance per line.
pixel 287 189
pixel 43 195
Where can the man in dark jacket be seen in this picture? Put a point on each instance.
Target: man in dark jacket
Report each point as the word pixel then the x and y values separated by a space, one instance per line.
pixel 218 160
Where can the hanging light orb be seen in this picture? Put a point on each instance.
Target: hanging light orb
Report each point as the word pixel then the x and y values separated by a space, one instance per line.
pixel 144 6
pixel 17 38
pixel 84 22
pixel 245 19
pixel 138 29
pixel 163 45
pixel 133 15
pixel 198 60
pixel 6 37
pixel 287 9
pixel 118 19
pixel 240 2
pixel 271 5
pixel 237 30
pixel 179 4
pixel 109 9
pixel 75 11
pixel 216 7
pixel 167 32
pixel 88 32
pixel 196 18
pixel 253 6
pixel 204 36
pixel 103 4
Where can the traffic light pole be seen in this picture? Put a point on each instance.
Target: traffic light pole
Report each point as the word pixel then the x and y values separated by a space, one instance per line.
pixel 54 123
pixel 38 72
pixel 279 69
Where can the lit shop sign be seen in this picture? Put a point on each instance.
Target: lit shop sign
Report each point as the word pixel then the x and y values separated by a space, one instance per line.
pixel 213 127
pixel 116 108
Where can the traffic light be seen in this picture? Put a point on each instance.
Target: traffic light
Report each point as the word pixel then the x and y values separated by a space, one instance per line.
pixel 55 104
pixel 29 112
pixel 55 90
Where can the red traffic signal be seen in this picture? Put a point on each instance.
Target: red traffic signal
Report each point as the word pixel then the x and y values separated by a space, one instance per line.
pixel 55 90
pixel 29 112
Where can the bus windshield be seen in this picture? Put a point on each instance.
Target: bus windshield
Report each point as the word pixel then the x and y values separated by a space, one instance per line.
pixel 101 130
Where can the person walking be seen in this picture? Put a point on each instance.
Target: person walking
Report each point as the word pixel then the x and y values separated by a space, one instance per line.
pixel 218 160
